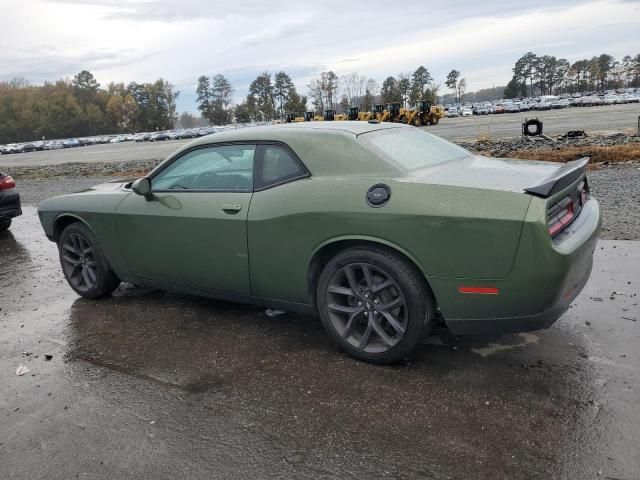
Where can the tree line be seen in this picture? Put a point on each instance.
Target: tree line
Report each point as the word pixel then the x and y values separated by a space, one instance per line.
pixel 544 75
pixel 271 96
pixel 80 107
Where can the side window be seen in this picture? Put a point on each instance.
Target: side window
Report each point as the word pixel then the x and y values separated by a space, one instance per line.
pixel 225 167
pixel 278 165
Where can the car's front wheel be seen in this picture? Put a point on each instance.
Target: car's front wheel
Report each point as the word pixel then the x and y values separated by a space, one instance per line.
pixel 5 223
pixel 84 264
pixel 374 304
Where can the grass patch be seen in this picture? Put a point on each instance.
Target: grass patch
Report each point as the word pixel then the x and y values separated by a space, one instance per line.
pixel 599 154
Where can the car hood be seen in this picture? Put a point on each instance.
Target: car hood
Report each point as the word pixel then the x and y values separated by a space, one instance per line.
pixel 476 171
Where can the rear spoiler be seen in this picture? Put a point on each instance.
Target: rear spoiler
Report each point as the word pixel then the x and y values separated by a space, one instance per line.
pixel 561 179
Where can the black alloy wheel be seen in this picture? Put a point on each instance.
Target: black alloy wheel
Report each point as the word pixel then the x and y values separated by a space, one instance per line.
pixel 78 262
pixel 374 303
pixel 366 307
pixel 84 264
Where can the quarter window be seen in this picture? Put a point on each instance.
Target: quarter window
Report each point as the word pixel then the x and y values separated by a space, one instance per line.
pixel 225 167
pixel 277 166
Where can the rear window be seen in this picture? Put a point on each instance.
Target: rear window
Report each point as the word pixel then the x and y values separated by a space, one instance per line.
pixel 412 148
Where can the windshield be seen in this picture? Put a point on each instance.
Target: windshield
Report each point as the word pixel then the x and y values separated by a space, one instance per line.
pixel 412 148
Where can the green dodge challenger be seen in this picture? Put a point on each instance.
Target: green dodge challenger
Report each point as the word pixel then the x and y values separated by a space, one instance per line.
pixel 382 229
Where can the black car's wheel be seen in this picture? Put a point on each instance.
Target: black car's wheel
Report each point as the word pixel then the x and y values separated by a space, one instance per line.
pixel 374 304
pixel 84 263
pixel 5 223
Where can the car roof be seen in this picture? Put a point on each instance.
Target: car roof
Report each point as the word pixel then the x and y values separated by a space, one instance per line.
pixel 326 148
pixel 278 132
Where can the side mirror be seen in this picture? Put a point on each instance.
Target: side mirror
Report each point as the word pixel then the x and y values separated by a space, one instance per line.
pixel 142 186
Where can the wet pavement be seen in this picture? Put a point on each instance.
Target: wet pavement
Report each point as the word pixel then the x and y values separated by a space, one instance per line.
pixel 153 385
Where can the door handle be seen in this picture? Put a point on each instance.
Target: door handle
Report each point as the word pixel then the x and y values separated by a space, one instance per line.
pixel 231 207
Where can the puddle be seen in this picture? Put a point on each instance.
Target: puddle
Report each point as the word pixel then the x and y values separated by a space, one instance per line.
pixel 527 339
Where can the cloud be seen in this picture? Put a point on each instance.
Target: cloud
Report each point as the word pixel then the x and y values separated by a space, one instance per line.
pixel 141 40
pixel 51 64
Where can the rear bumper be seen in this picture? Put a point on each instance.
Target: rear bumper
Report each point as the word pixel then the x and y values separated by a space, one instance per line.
pixel 546 277
pixel 527 323
pixel 10 204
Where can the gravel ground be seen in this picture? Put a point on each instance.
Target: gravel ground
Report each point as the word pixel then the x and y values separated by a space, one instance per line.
pixel 617 188
pixel 33 192
pixel 506 147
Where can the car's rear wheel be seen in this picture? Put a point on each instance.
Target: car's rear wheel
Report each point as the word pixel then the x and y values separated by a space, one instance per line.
pixel 374 304
pixel 84 264
pixel 5 223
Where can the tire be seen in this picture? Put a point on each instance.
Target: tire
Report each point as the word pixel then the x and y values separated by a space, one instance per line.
pixel 379 324
pixel 416 121
pixel 5 223
pixel 526 128
pixel 84 263
pixel 433 119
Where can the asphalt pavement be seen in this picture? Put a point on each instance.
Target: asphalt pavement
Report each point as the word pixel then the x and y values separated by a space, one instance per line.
pixel 593 120
pixel 146 384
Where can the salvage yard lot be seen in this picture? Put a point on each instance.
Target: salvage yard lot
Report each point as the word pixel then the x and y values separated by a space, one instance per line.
pixel 594 120
pixel 614 118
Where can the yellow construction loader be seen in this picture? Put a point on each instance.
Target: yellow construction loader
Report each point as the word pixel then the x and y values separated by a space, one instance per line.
pixel 292 118
pixel 423 114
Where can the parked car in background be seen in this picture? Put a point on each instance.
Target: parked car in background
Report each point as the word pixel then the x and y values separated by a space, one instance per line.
pixel 159 137
pixel 54 145
pixel 13 148
pixel 630 98
pixel 595 100
pixel 452 113
pixel 9 201
pixel 466 112
pixel 542 105
pixel 70 143
pixel 558 104
pixel 227 215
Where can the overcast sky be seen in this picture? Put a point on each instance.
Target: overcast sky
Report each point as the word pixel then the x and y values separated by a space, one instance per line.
pixel 179 40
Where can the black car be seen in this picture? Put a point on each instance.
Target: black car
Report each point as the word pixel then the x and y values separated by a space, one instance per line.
pixel 159 137
pixel 9 201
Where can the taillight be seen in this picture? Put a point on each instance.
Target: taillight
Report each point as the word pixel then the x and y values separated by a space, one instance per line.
pixel 7 183
pixel 561 215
